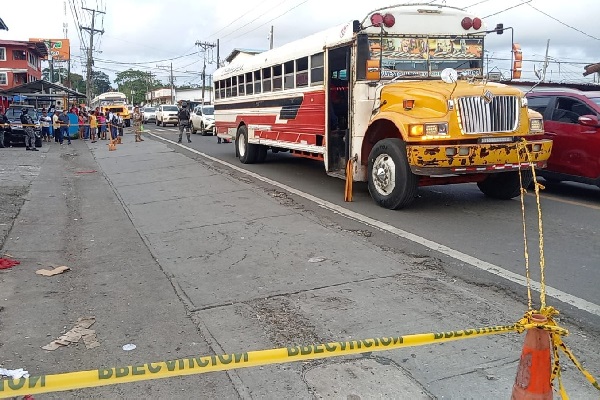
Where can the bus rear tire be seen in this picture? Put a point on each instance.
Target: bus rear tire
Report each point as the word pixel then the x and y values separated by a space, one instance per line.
pixel 392 184
pixel 505 185
pixel 247 152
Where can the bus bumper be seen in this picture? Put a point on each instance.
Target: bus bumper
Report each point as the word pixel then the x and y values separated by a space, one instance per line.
pixel 475 158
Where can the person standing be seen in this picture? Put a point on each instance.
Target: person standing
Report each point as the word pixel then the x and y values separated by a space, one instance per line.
pixel 28 125
pixel 137 124
pixel 64 127
pixel 102 127
pixel 45 122
pixel 4 127
pixel 93 126
pixel 184 122
pixel 56 126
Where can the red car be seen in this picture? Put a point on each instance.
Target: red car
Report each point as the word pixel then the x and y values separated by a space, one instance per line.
pixel 571 120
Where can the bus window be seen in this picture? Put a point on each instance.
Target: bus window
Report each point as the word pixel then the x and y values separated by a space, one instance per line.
pixel 249 83
pixel 316 69
pixel 302 72
pixel 228 87
pixel 241 85
pixel 257 82
pixel 277 78
pixel 288 81
pixel 234 86
pixel 266 73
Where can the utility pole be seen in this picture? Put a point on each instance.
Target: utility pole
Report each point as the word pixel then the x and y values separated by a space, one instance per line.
pixel 546 61
pixel 204 46
pixel 172 82
pixel 271 39
pixel 218 59
pixel 90 59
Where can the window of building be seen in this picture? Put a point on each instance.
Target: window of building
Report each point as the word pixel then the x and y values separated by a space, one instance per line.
pixel 288 79
pixel 19 55
pixel 3 79
pixel 317 70
pixel 241 85
pixel 266 82
pixel 249 87
pixel 2 53
pixel 257 82
pixel 32 59
pixel 277 77
pixel 302 72
pixel 222 89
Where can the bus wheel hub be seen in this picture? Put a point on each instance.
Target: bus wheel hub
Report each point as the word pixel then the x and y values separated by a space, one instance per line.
pixel 384 171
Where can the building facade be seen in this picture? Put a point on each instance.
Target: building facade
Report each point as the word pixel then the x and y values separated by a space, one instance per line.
pixel 20 62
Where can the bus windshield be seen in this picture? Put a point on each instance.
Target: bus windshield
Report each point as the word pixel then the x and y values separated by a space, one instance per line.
pixel 426 57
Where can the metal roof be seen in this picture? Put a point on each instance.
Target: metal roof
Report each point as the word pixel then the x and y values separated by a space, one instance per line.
pixel 41 87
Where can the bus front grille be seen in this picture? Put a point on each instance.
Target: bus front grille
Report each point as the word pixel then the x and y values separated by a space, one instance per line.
pixel 480 115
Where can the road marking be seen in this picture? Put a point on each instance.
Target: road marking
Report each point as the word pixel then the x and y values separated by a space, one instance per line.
pixel 465 258
pixel 572 202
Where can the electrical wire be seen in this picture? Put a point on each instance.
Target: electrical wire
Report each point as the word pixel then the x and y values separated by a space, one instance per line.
pixel 562 23
pixel 271 20
pixel 506 9
pixel 248 23
pixel 254 7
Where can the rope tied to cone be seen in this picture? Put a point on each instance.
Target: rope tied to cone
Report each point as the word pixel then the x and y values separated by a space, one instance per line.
pixel 544 318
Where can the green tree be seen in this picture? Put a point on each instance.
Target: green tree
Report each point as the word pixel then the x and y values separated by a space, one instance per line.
pixel 100 83
pixel 135 84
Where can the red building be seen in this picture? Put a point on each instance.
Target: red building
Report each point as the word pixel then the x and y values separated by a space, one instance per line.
pixel 20 62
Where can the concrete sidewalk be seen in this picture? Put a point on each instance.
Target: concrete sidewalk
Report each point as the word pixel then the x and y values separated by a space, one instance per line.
pixel 223 264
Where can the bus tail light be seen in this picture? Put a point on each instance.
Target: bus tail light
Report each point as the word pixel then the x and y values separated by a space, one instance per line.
pixel 477 23
pixel 376 19
pixel 467 23
pixel 389 20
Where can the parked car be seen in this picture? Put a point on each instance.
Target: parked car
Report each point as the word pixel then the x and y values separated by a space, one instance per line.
pixel 167 114
pixel 16 134
pixel 571 120
pixel 148 114
pixel 203 119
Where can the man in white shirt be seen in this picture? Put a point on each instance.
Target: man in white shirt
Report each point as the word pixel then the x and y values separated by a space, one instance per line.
pixel 45 122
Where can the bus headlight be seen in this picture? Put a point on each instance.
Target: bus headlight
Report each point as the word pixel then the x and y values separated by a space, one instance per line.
pixel 536 125
pixel 436 129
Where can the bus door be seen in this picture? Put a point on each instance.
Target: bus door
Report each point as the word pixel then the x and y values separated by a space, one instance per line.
pixel 338 108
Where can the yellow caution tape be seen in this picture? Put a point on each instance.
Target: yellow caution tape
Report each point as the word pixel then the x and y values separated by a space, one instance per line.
pixel 203 364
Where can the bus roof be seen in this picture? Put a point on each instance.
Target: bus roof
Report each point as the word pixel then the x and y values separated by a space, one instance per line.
pixel 410 19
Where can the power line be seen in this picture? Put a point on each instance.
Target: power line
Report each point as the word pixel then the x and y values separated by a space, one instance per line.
pixel 145 62
pixel 561 22
pixel 245 25
pixel 254 7
pixel 506 9
pixel 271 20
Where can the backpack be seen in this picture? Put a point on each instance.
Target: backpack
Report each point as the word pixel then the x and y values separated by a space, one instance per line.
pixel 184 114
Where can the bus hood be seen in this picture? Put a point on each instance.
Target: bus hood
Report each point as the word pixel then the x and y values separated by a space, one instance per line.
pixel 431 97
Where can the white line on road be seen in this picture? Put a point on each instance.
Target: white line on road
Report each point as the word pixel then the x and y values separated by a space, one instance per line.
pixel 467 259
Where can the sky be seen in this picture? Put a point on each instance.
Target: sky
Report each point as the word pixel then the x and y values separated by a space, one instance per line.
pixel 149 35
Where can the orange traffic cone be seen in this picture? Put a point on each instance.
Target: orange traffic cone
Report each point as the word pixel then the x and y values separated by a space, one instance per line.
pixel 533 375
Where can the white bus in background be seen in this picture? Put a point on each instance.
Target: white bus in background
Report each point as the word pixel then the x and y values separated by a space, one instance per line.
pixel 397 99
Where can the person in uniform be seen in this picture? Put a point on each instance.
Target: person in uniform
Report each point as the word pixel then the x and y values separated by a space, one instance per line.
pixel 137 124
pixel 28 125
pixel 4 126
pixel 184 122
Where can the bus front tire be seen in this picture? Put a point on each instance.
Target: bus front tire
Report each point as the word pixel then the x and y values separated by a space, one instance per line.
pixel 505 185
pixel 247 152
pixel 392 184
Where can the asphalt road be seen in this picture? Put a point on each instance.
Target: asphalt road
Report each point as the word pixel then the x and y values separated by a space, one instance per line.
pixel 462 218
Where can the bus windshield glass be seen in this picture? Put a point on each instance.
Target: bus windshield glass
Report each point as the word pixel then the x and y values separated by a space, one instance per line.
pixel 426 57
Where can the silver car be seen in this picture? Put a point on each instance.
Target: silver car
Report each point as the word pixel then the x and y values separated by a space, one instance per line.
pixel 167 114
